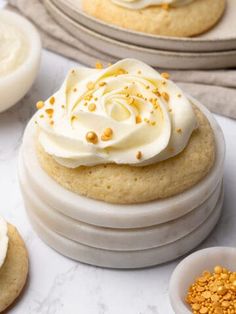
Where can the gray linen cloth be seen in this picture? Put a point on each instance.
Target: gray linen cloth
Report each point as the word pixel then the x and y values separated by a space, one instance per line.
pixel 215 89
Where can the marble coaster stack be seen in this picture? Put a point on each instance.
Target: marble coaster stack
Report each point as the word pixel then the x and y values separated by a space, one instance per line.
pixel 120 236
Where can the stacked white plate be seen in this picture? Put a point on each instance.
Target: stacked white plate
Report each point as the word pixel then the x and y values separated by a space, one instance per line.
pixel 120 236
pixel 213 50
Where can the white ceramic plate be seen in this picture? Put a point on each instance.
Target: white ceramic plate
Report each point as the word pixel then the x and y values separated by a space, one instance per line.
pixel 115 239
pixel 154 57
pixel 222 37
pixel 126 259
pixel 115 215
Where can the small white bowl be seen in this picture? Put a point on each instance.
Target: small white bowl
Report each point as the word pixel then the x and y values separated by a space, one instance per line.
pixel 16 84
pixel 193 266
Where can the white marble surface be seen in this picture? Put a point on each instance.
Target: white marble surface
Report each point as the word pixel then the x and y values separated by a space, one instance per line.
pixel 59 285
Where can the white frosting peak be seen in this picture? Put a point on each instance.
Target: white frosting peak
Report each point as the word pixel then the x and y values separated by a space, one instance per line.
pixel 3 241
pixel 140 4
pixel 126 114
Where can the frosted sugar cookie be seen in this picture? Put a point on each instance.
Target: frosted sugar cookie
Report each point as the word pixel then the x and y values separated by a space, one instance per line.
pixel 125 134
pixel 179 18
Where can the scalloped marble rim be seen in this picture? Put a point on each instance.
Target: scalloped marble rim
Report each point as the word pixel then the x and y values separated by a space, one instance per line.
pixel 127 259
pixel 157 58
pixel 116 239
pixel 214 40
pixel 115 215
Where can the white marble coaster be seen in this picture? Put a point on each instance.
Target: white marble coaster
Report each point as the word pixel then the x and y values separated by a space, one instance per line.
pixel 127 259
pixel 116 239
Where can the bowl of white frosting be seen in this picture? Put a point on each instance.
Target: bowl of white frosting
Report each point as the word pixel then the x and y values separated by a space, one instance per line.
pixel 20 51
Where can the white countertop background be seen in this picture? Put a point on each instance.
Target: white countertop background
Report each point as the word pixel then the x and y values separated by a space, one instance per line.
pixel 58 285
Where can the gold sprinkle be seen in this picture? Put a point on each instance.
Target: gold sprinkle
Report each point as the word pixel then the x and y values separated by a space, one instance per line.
pixel 139 155
pixel 179 95
pixel 40 104
pixel 75 89
pixel 88 97
pixel 153 123
pixel 139 72
pixel 165 96
pixel 102 83
pixel 107 134
pixel 170 110
pixel 92 137
pixel 49 111
pixel 138 119
pixel 165 75
pixel 52 122
pixel 218 269
pixel 72 71
pixel 155 91
pixel 52 100
pixel 92 107
pixel 99 65
pixel 130 100
pixel 126 87
pixel 41 116
pixel 104 138
pixel 90 85
pixel 73 118
pixel 63 106
pixel 147 87
pixel 121 71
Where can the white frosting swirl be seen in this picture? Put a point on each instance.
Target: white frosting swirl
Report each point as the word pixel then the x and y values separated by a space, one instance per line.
pixel 3 240
pixel 13 48
pixel 137 117
pixel 141 4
